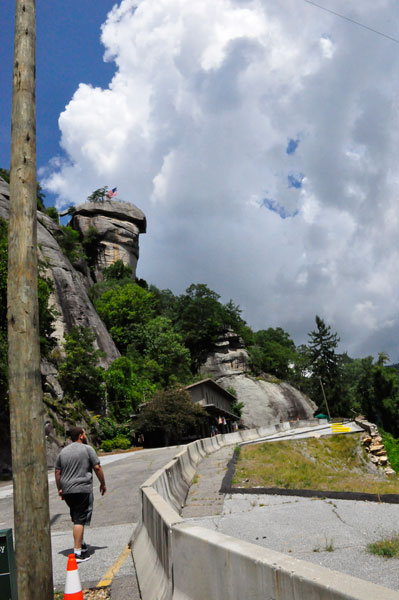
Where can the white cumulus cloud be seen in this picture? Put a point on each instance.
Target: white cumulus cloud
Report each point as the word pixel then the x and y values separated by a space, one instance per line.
pixel 260 139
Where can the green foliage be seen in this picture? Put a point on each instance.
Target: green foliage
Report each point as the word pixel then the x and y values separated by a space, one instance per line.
pixel 273 352
pixel 121 382
pixel 52 212
pixel 79 375
pixel 47 315
pixel 108 428
pixel 237 451
pixel 3 273
pixel 201 318
pixel 118 442
pixel 387 547
pixel 164 302
pixel 5 174
pixel 391 445
pixel 171 414
pixel 326 366
pixel 107 446
pixel 99 195
pixel 126 310
pixel 3 373
pixel 236 408
pixel 164 346
pixel 69 241
pixel 118 271
pixel 40 195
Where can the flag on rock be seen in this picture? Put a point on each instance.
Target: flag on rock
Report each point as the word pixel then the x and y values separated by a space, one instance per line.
pixel 112 193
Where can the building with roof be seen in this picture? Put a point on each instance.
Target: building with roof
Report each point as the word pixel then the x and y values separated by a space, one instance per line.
pixel 217 402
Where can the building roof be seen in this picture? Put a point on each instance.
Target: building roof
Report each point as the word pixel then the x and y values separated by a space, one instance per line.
pixel 213 385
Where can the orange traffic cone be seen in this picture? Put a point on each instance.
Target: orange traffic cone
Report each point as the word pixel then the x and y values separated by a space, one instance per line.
pixel 73 588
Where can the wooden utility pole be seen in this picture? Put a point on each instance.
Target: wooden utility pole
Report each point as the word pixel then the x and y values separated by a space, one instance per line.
pixel 31 505
pixel 325 399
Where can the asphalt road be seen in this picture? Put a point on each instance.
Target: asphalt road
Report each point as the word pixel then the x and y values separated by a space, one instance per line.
pixel 331 533
pixel 114 518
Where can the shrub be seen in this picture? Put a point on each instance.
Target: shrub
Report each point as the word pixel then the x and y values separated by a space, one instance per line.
pixel 122 442
pixel 107 446
pixel 52 212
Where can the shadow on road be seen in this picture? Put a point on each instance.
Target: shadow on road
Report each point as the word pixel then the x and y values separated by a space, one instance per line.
pixel 92 550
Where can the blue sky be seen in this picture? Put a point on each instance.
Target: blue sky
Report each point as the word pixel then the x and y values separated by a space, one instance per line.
pixel 263 152
pixel 68 52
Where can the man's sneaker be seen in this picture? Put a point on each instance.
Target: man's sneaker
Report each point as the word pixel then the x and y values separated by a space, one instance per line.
pixel 84 547
pixel 82 557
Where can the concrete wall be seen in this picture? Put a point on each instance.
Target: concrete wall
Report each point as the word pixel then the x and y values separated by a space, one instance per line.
pixel 176 560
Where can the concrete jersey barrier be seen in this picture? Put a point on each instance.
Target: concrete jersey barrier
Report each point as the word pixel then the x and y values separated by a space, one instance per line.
pixel 177 560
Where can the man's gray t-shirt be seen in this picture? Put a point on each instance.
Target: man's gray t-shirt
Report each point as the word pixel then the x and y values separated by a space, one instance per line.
pixel 76 463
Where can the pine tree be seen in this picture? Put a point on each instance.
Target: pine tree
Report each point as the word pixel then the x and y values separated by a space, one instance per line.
pixel 326 368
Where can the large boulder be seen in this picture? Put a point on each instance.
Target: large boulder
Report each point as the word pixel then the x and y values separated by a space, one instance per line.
pixel 266 399
pixel 117 225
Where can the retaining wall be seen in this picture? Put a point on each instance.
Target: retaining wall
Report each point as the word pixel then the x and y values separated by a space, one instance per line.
pixel 176 560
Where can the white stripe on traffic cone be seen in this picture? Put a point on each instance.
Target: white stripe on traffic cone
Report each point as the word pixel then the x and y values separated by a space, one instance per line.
pixel 73 588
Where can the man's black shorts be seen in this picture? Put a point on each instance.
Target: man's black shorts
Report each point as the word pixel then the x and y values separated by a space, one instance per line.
pixel 80 506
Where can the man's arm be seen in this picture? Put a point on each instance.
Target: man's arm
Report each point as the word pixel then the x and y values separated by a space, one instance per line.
pixel 100 476
pixel 58 482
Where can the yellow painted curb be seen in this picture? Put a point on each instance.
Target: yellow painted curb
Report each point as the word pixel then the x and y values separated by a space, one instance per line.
pixel 112 571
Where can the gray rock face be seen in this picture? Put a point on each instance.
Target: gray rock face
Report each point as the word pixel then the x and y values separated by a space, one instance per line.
pixel 118 225
pixel 70 298
pixel 265 402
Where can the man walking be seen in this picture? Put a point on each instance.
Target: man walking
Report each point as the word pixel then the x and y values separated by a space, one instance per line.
pixel 74 478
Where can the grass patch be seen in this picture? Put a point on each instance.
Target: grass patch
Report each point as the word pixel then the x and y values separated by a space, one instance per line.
pixel 329 547
pixel 388 547
pixel 391 445
pixel 237 451
pixel 334 463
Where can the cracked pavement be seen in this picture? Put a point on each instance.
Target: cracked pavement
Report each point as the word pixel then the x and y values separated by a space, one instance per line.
pixel 331 533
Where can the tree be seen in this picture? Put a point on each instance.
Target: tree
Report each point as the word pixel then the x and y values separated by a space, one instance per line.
pixel 31 504
pixel 127 386
pixel 164 346
pixel 386 390
pixel 117 271
pixel 80 377
pixel 126 310
pixel 69 241
pixel 273 352
pixel 325 365
pixel 172 416
pixel 201 318
pixel 99 195
pixel 121 398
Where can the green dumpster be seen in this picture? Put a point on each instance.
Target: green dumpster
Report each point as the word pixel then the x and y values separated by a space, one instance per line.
pixel 8 574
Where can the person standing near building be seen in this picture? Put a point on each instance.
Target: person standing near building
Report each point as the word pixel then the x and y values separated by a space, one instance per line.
pixel 74 479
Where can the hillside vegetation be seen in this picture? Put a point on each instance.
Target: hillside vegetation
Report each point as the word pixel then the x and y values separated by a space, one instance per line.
pixel 334 463
pixel 164 338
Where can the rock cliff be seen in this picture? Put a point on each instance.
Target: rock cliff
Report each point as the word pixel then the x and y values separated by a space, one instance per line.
pixel 70 296
pixel 117 225
pixel 266 400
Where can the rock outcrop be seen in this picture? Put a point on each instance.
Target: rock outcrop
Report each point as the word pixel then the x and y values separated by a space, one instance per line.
pixel 266 400
pixel 117 225
pixel 70 297
pixel 373 443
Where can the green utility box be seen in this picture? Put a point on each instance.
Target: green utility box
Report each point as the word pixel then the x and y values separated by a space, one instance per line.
pixel 8 574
